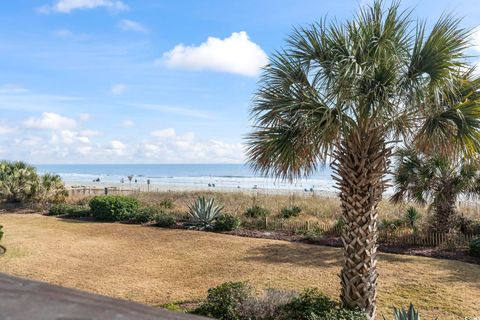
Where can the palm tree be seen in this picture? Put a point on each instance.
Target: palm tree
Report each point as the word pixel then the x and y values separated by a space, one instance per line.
pixel 348 92
pixel 51 189
pixel 435 180
pixel 18 181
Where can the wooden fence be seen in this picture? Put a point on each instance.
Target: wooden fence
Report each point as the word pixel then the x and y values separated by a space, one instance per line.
pixel 81 192
pixel 396 237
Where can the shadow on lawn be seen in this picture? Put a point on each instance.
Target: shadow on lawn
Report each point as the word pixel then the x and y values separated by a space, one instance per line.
pixel 306 255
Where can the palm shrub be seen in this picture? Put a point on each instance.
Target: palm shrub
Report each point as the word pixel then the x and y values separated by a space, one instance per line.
pixel 349 91
pixel 51 189
pixel 203 213
pixel 256 211
pixel 289 212
pixel 435 180
pixel 18 182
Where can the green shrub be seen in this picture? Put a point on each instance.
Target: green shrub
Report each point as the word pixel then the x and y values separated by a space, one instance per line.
pixel 164 220
pixel 475 247
pixel 203 213
pixel 226 222
pixel 256 212
pixel 113 208
pixel 70 210
pixel 291 211
pixel 412 216
pixel 222 301
pixel 312 305
pixel 143 215
pixel 402 314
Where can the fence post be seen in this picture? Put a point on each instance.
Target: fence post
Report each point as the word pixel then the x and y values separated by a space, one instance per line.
pixel 266 223
pixel 106 190
pixel 308 225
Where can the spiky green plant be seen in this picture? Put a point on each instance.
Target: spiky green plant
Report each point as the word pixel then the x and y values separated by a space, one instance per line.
pixel 348 91
pixel 204 212
pixel 412 216
pixel 402 314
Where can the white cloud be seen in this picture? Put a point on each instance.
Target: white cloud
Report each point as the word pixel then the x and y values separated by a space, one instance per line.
pixel 5 129
pixel 118 89
pixel 116 147
pixel 11 88
pixel 235 54
pixel 165 133
pixel 167 146
pixel 69 137
pixel 50 120
pixel 89 133
pixel 127 123
pixel 67 6
pixel 130 25
pixel 63 33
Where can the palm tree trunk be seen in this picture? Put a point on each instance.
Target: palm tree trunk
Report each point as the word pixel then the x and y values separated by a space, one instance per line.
pixel 361 161
pixel 445 214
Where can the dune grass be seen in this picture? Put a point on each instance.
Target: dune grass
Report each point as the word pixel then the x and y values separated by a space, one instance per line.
pixel 158 266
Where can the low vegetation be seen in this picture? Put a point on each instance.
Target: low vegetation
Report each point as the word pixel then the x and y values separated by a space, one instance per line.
pixel 475 247
pixel 21 184
pixel 113 208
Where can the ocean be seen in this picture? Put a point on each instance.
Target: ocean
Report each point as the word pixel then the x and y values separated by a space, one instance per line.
pixel 187 176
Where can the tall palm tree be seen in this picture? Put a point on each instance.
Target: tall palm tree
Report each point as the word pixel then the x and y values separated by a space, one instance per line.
pixel 435 180
pixel 348 92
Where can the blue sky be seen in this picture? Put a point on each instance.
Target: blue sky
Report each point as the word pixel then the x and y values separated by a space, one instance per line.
pixel 110 81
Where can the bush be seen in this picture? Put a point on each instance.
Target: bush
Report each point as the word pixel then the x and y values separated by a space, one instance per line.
pixel 222 301
pixel 164 220
pixel 475 247
pixel 113 208
pixel 288 212
pixel 143 215
pixel 268 306
pixel 70 210
pixel 256 212
pixel 226 222
pixel 312 305
pixel 390 224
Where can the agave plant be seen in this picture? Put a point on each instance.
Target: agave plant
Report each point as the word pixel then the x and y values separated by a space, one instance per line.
pixel 402 314
pixel 204 212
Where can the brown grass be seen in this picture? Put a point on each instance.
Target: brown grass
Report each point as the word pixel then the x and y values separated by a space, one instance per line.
pixel 157 266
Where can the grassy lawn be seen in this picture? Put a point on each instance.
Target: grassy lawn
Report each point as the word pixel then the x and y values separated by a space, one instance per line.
pixel 157 266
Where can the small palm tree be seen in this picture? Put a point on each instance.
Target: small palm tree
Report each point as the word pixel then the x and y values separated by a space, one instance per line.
pixel 51 189
pixel 18 181
pixel 435 180
pixel 348 92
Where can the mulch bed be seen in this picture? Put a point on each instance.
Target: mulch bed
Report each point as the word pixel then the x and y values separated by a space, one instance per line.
pixel 431 252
